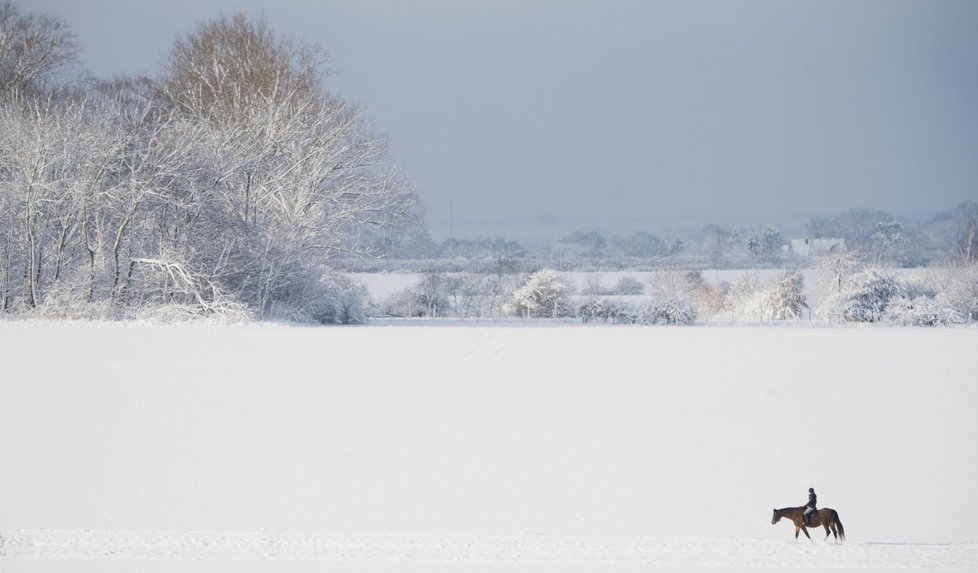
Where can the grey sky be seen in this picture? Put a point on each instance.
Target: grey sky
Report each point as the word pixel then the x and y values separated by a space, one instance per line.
pixel 540 116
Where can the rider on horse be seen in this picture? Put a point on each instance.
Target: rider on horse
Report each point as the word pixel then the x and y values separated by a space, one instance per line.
pixel 810 506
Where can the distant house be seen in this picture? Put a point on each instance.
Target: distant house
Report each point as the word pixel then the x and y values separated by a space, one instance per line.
pixel 811 248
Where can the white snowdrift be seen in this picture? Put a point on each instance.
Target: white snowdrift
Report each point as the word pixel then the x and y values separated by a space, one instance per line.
pixel 492 440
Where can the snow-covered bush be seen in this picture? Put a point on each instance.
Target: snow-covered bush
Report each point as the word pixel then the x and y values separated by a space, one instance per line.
pixel 544 294
pixel 870 295
pixel 69 298
pixel 605 310
pixel 341 300
pixel 959 285
pixel 963 292
pixel 667 311
pixel 922 311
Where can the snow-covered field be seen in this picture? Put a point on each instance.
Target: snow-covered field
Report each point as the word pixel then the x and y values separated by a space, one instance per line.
pixel 483 448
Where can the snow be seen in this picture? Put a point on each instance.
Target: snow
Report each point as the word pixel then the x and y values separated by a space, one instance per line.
pixel 481 447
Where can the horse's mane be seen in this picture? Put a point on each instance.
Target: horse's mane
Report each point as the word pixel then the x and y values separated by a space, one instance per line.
pixel 786 509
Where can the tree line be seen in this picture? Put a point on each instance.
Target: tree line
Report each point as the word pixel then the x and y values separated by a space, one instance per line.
pixel 844 290
pixel 225 184
pixel 877 236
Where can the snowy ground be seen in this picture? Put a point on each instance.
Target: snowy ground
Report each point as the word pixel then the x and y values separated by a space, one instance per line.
pixel 483 448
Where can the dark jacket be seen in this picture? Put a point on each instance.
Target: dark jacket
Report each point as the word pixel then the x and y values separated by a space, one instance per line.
pixel 811 500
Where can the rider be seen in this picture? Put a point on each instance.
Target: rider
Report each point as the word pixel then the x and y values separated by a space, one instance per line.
pixel 809 507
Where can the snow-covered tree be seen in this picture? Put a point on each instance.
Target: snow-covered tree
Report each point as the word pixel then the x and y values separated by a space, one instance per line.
pixel 675 282
pixel 785 298
pixel 432 293
pixel 233 179
pixel 889 242
pixel 544 294
pixel 712 301
pixel 958 285
pixel 32 49
pixel 766 245
pixel 640 244
pixel 857 227
pixel 748 298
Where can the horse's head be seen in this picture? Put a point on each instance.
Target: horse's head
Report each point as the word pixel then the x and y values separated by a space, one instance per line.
pixel 776 517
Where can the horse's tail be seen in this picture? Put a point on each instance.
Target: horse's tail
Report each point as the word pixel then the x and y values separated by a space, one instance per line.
pixel 838 524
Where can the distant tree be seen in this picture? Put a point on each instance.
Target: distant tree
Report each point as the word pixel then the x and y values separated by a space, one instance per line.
pixel 480 248
pixel 717 243
pixel 966 223
pixel 544 294
pixel 821 227
pixel 951 233
pixel 629 286
pixel 766 245
pixel 889 241
pixel 584 243
pixel 640 244
pixel 432 293
pixel 772 241
pixel 857 227
pixel 677 247
pixel 754 247
pixel 593 286
pixel 464 291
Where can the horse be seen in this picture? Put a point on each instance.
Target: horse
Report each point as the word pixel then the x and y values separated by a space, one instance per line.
pixel 826 517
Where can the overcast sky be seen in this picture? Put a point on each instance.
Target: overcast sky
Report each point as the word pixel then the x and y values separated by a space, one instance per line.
pixel 518 117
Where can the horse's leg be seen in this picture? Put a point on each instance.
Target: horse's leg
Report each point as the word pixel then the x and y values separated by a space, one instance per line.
pixel 827 532
pixel 805 530
pixel 797 529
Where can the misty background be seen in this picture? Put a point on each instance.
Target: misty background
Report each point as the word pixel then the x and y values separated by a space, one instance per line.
pixel 532 119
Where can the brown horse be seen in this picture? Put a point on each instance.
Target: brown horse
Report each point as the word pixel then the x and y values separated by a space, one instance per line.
pixel 827 518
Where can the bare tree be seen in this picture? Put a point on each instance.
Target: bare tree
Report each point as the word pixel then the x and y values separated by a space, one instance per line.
pixel 296 175
pixel 32 49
